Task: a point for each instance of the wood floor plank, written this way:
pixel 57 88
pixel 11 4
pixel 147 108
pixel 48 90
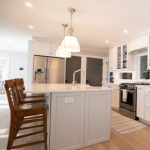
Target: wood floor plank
pixel 138 140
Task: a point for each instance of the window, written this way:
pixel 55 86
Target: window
pixel 144 73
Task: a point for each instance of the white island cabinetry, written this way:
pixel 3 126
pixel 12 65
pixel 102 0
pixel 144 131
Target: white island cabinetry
pixel 79 115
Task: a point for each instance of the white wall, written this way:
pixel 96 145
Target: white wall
pixel 16 60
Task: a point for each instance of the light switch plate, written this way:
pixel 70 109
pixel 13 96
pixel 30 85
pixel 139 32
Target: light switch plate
pixel 69 99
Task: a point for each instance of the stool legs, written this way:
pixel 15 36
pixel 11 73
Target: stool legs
pixel 12 133
pixel 45 128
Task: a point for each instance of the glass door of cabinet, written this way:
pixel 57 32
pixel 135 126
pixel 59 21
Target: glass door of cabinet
pixel 119 57
pixel 124 63
pixel 148 62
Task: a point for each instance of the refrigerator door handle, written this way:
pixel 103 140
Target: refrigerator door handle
pixel 47 76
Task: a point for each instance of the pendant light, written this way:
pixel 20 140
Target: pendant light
pixel 70 42
pixel 61 51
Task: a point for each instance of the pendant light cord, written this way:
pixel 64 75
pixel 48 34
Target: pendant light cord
pixel 71 30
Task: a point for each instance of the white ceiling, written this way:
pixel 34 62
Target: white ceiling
pixel 95 20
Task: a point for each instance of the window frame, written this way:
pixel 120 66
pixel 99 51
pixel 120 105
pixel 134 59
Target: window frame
pixel 138 66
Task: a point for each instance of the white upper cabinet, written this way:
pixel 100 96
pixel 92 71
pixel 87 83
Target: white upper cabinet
pixel 44 48
pixel 112 59
pixel 119 59
pixel 138 43
pixel 122 57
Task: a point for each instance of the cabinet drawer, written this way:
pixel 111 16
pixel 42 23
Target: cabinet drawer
pixel 147 114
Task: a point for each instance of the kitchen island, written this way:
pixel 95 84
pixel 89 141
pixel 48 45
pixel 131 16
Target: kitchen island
pixel 79 115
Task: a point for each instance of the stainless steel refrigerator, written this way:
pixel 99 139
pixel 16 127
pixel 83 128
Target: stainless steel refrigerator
pixel 48 69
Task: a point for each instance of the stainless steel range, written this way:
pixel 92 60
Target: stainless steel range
pixel 128 99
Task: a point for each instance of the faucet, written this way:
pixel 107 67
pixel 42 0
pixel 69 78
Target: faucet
pixel 74 74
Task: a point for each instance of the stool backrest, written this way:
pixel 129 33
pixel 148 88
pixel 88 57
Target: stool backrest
pixel 19 84
pixel 11 94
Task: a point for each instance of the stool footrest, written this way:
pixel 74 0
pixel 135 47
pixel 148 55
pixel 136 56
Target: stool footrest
pixel 23 128
pixel 28 144
pixel 21 136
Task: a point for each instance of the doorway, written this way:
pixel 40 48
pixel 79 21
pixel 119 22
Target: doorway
pixel 73 64
pixel 94 71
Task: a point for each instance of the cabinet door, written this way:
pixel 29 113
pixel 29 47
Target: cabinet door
pixel 115 98
pixel 97 117
pixel 147 104
pixel 140 102
pixel 147 114
pixel 45 48
pixel 119 58
pixel 124 55
pixel 138 43
pixel 112 59
pixel 67 121
pixel 41 48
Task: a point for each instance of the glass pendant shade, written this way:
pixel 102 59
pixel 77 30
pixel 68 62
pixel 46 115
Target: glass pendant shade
pixel 62 52
pixel 70 43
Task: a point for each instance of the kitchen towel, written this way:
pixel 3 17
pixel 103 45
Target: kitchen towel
pixel 124 95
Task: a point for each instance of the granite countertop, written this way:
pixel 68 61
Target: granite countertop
pixel 55 88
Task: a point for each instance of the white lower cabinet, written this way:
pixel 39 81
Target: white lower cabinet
pixel 115 99
pixel 79 119
pixel 140 102
pixel 143 103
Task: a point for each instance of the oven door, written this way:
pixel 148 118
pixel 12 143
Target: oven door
pixel 130 103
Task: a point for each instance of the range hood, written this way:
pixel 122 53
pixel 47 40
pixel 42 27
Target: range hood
pixel 138 51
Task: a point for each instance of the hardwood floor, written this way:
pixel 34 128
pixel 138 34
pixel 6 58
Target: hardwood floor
pixel 138 140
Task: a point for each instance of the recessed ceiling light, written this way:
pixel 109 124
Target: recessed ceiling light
pixel 30 26
pixel 106 41
pixel 28 4
pixel 125 31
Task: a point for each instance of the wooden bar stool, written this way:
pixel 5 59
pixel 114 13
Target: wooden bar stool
pixel 24 98
pixel 22 114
